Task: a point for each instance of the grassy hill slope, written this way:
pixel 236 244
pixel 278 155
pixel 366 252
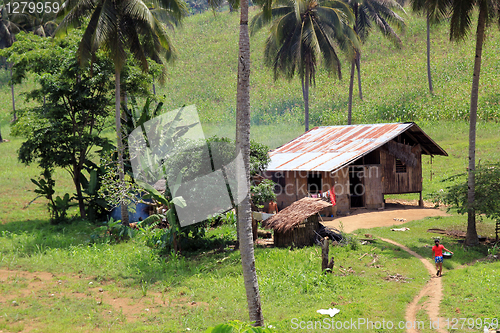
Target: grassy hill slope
pixel 394 80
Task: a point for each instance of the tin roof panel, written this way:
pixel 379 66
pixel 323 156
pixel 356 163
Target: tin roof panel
pixel 329 148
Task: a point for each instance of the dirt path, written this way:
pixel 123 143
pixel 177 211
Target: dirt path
pixel 433 289
pixel 364 218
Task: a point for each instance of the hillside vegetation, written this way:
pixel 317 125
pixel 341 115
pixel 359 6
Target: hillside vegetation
pixel 394 80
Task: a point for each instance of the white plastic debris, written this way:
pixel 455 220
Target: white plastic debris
pixel 330 312
pixel 400 229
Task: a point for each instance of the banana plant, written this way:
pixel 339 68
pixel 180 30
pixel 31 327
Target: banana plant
pixel 170 215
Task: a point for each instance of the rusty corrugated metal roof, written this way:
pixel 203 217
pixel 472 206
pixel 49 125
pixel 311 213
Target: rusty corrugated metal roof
pixel 329 148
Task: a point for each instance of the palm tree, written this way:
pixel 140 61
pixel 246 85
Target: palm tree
pixel 434 11
pixel 244 209
pixel 368 13
pixel 243 146
pixel 460 24
pixel 117 26
pixel 302 32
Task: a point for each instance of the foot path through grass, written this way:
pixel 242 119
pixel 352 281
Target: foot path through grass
pixel 433 289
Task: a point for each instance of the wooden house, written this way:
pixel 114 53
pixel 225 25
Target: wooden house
pixel 360 163
pixel 296 224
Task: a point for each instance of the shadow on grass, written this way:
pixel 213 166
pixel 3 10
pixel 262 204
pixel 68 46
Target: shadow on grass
pixel 33 236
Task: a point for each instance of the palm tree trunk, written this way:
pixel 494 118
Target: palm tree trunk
pixel 13 96
pixel 305 94
pixel 358 67
pixel 243 146
pixel 471 236
pixel 356 62
pixel 351 88
pixel 119 143
pixel 429 77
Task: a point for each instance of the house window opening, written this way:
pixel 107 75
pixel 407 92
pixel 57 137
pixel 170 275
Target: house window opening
pixel 400 166
pixel 314 183
pixel 280 182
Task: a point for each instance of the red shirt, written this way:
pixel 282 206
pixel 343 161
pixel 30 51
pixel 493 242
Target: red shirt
pixel 438 250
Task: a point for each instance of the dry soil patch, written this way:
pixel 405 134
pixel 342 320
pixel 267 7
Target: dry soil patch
pixel 364 218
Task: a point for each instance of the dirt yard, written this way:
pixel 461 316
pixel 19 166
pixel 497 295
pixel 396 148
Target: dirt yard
pixel 403 211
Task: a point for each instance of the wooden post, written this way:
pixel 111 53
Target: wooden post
pixel 255 228
pixel 324 253
pixel 325 247
pixel 421 201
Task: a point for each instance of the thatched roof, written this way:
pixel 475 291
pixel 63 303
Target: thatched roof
pixel 293 215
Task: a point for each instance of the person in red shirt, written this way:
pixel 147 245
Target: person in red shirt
pixel 438 256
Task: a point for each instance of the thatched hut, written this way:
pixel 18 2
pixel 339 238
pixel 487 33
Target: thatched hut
pixel 295 225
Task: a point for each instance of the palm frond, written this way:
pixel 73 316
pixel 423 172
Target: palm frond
pixel 435 10
pixel 266 6
pixel 72 12
pixel 129 27
pixel 137 10
pixel 380 15
pixel 461 20
pixel 85 49
pixel 166 17
pixel 260 20
pixel 342 7
pixel 363 23
pixel 331 60
pixel 177 8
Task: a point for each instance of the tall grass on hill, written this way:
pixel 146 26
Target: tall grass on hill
pixel 394 79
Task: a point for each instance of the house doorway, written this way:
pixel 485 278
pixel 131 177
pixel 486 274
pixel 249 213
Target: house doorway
pixel 356 186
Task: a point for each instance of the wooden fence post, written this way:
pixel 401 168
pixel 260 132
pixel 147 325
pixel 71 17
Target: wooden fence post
pixel 326 266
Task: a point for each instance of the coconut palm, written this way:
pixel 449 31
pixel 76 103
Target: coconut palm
pixel 369 13
pixel 303 32
pixel 117 26
pixel 460 25
pixel 244 209
pixel 434 11
pixel 243 146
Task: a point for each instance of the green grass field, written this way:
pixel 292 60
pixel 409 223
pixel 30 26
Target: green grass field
pixel 157 293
